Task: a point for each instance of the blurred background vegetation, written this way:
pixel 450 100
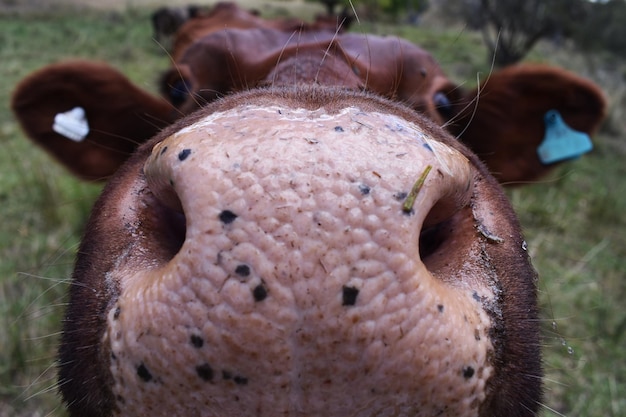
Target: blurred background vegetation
pixel 574 220
pixel 512 27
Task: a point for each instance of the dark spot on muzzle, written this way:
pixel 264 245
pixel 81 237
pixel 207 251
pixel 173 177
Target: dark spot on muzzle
pixel 240 380
pixel 184 154
pixel 205 372
pixel 259 292
pixel 400 196
pixel 468 372
pixel 242 270
pixel 196 341
pixel 349 296
pixel 227 216
pixel 143 373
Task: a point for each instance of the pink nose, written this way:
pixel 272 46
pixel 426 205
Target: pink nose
pixel 312 254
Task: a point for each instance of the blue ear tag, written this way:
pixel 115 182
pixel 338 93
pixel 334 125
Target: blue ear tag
pixel 561 142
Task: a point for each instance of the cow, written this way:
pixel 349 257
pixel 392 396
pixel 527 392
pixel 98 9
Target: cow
pixel 180 26
pixel 297 228
pixel 230 15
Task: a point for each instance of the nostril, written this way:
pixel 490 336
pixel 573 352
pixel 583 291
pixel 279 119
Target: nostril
pixel 446 231
pixel 166 229
pixel 158 177
pixel 443 246
pixel 171 229
pixel 431 238
pixel 165 224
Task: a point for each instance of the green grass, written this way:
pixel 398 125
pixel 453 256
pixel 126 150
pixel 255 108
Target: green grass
pixel 44 208
pixel 574 220
pixel 575 228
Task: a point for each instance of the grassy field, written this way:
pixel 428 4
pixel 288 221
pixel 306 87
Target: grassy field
pixel 574 220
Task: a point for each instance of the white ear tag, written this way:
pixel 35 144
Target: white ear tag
pixel 72 124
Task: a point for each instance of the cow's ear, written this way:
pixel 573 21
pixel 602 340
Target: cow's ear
pixel 505 120
pixel 87 115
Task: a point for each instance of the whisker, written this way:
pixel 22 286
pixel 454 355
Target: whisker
pixel 161 46
pixel 50 369
pixel 326 52
pixel 200 98
pixel 356 15
pixel 280 55
pixel 48 336
pixel 46 390
pixel 369 49
pixel 21 316
pixel 156 122
pixel 400 73
pixel 185 85
pixel 111 135
pixel 330 44
pixel 550 409
pixel 554 381
pixel 237 75
pixel 53 259
pixel 172 105
pixel 46 311
pixel 53 411
pixel 479 90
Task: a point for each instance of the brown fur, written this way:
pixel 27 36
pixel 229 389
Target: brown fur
pixel 388 66
pixel 227 15
pixel 502 120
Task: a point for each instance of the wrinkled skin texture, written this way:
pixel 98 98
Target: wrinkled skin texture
pixel 272 254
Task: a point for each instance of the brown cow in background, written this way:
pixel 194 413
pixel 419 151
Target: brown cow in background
pixel 502 120
pixel 226 15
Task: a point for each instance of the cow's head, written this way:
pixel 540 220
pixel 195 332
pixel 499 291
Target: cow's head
pixel 300 246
